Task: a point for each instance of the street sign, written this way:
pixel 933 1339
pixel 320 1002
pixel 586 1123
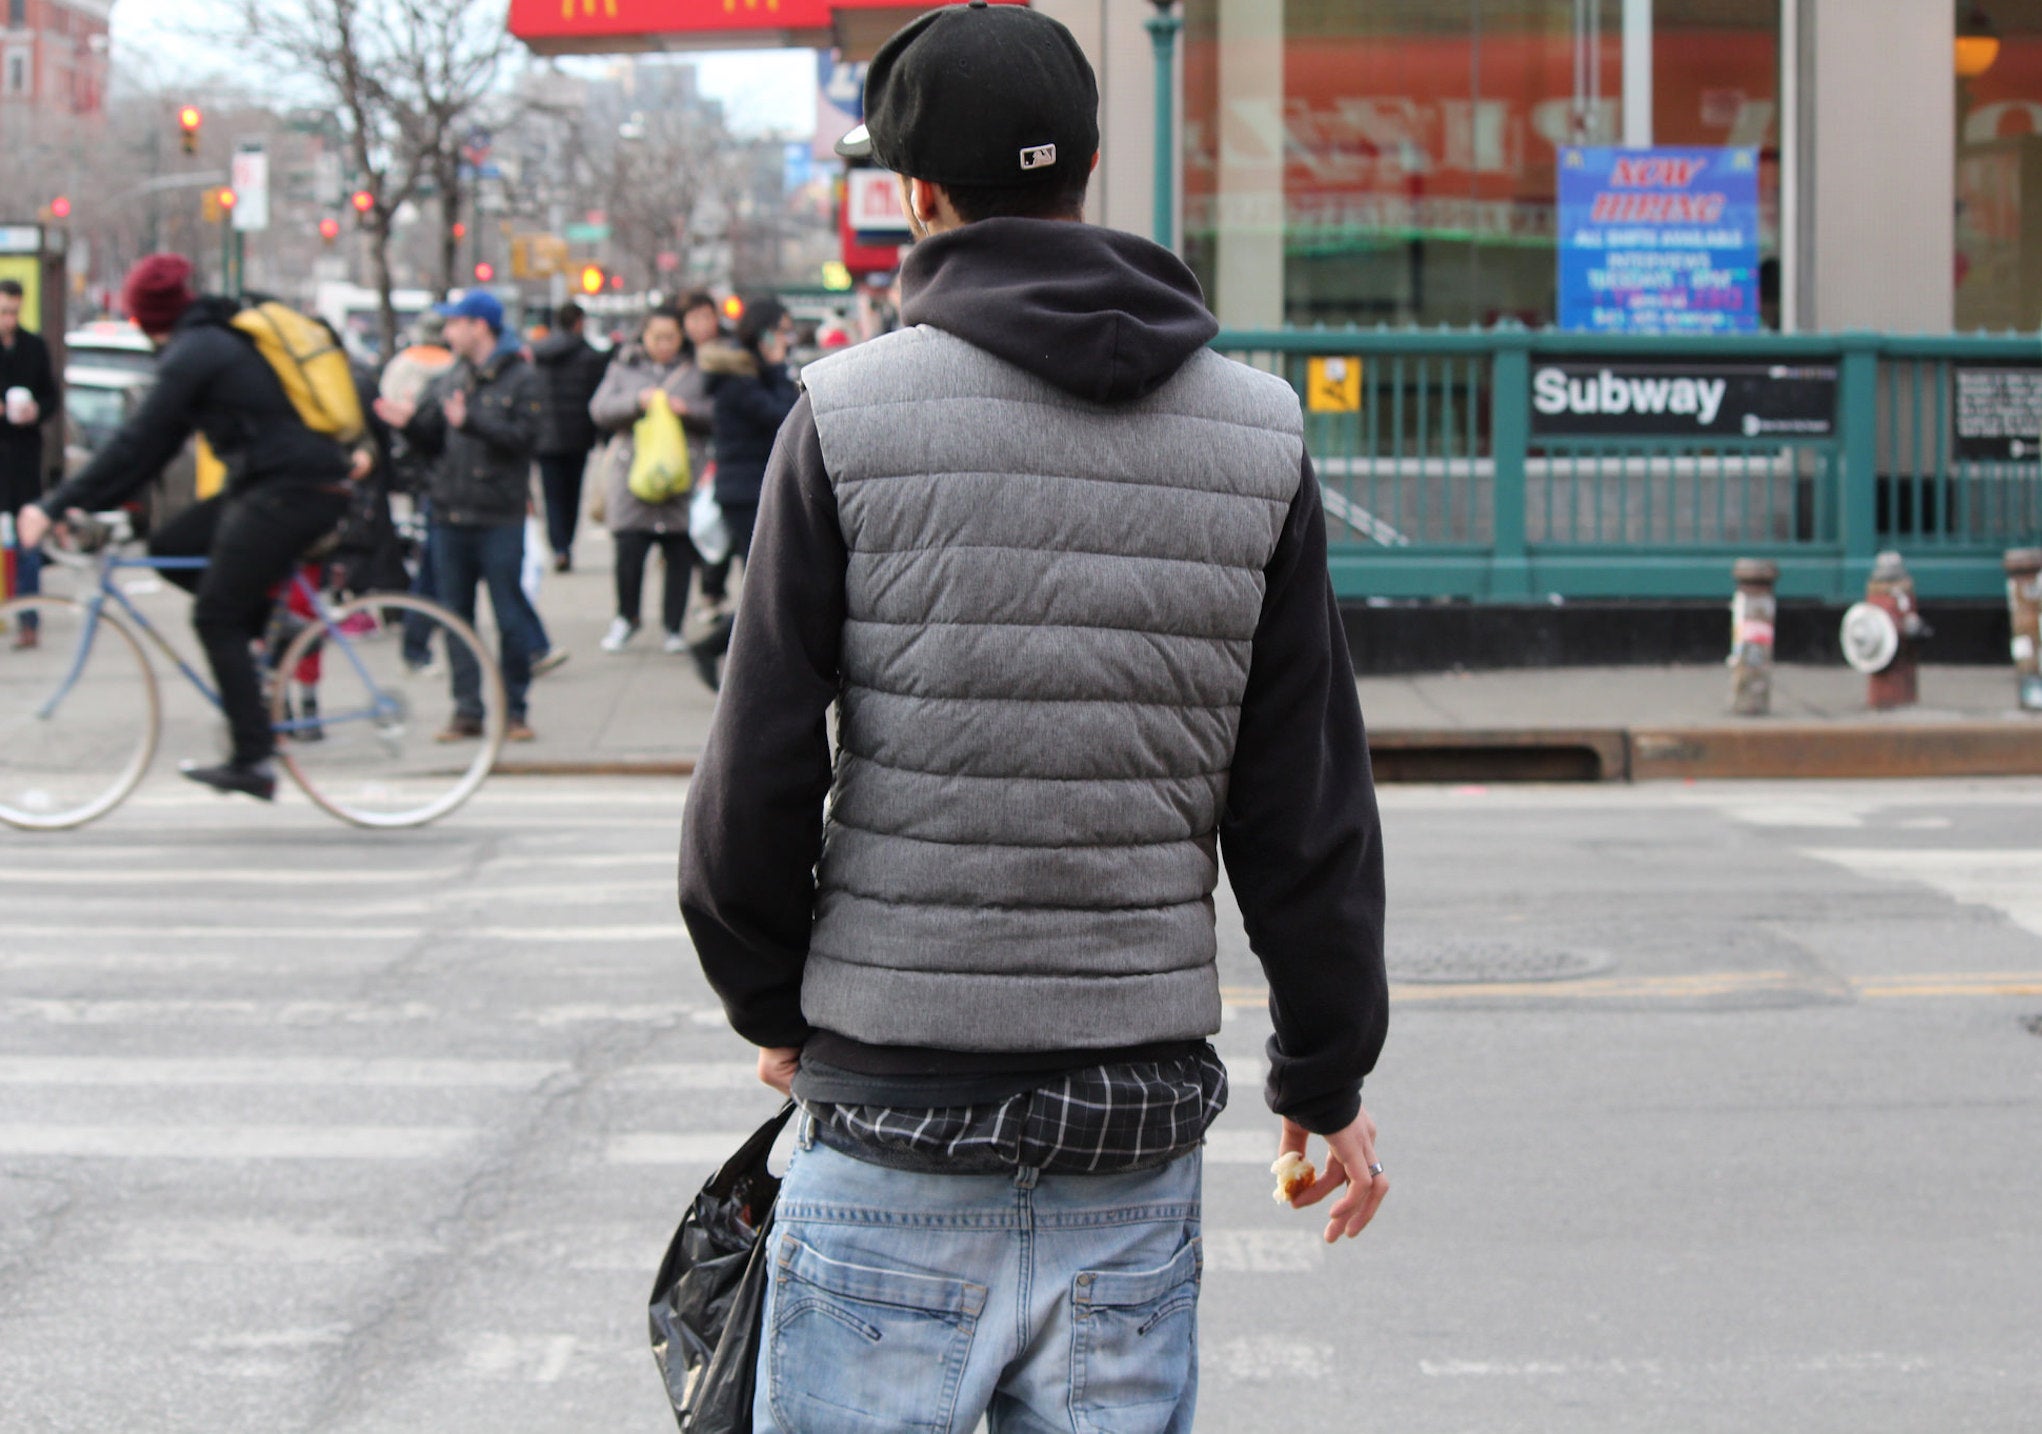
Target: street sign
pixel 586 233
pixel 1998 412
pixel 1658 241
pixel 1680 398
pixel 250 183
pixel 1333 384
pixel 872 205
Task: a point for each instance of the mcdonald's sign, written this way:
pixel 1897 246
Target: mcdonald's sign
pixel 565 26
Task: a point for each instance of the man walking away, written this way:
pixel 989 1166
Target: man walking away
pixel 570 371
pixel 30 389
pixel 476 424
pixel 1062 569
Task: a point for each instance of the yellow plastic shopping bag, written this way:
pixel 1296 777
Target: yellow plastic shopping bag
pixel 659 454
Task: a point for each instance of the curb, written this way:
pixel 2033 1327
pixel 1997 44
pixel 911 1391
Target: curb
pixel 1832 750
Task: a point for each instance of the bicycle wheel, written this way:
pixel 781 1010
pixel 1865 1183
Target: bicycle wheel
pixel 359 703
pixel 78 713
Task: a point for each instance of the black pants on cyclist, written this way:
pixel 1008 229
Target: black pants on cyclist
pixel 252 541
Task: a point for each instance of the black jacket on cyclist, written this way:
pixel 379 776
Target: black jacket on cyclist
pixel 209 379
pixel 481 472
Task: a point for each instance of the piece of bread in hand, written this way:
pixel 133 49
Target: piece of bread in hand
pixel 1294 1175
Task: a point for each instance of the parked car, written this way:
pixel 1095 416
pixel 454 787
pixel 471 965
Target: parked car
pixel 98 399
pixel 110 344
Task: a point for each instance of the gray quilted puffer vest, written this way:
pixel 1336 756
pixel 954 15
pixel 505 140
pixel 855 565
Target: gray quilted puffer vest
pixel 1051 607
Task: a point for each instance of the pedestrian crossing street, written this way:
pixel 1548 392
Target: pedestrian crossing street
pixel 393 1127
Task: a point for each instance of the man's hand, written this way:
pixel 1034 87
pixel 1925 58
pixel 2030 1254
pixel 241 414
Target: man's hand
pixel 645 398
pixel 1351 1152
pixel 31 526
pixel 455 407
pixel 361 464
pixel 395 411
pixel 777 1065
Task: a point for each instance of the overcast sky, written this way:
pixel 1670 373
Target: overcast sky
pixel 761 89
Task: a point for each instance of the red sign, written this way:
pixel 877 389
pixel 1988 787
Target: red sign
pixel 584 24
pixel 621 19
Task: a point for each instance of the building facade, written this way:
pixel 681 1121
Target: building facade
pixel 1394 161
pixel 53 59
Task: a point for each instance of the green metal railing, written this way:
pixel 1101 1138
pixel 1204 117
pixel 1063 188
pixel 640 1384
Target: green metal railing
pixel 1437 486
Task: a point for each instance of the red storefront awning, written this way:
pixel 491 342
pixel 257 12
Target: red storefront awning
pixel 582 27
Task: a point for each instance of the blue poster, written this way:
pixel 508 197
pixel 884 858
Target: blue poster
pixel 1659 241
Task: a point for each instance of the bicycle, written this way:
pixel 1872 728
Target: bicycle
pixel 81 713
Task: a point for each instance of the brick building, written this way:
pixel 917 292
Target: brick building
pixel 53 57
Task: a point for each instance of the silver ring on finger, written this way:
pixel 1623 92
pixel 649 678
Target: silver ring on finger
pixel 1374 1170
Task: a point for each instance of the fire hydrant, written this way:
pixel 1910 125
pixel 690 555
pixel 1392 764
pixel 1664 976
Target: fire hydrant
pixel 1752 612
pixel 1880 633
pixel 2024 607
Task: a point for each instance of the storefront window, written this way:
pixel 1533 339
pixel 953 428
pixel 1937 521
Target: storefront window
pixel 1998 58
pixel 1394 161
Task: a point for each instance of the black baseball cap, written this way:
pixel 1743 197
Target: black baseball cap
pixel 979 94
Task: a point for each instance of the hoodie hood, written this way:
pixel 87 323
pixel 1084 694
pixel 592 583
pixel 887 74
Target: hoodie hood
pixel 1104 315
pixel 557 348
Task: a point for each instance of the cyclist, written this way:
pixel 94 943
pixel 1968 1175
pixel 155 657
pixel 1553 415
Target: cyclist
pixel 286 488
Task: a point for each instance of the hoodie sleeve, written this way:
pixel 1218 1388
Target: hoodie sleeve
pixel 1302 838
pixel 753 830
pixel 152 437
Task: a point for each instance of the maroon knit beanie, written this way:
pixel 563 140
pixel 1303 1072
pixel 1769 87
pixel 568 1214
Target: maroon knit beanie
pixel 157 292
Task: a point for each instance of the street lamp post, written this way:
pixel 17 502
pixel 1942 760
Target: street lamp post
pixel 1163 27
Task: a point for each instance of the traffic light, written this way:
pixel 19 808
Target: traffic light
pixel 329 229
pixel 363 201
pixel 592 278
pixel 616 281
pixel 460 230
pixel 733 308
pixel 188 121
pixel 484 272
pixel 216 204
pixel 60 208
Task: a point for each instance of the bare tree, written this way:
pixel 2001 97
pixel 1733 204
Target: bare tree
pixel 665 160
pixel 404 78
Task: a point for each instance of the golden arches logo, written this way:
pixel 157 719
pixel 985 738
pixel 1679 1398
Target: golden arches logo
pixel 588 7
pixel 730 6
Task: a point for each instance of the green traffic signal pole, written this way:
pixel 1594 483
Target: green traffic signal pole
pixel 1163 27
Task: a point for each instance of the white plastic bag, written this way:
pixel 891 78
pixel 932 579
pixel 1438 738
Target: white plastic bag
pixel 535 560
pixel 706 528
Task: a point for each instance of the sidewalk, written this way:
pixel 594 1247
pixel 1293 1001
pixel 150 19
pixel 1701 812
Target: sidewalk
pixel 644 711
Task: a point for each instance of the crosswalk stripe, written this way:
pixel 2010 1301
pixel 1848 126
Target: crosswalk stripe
pixel 189 1011
pixel 266 1072
pixel 238 1142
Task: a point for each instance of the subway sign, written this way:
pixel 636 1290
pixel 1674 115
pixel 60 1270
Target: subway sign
pixel 1671 398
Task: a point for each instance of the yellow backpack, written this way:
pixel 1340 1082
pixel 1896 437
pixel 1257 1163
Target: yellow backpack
pixel 312 366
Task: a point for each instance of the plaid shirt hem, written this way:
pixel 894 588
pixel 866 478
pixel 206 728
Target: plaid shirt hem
pixel 1103 1120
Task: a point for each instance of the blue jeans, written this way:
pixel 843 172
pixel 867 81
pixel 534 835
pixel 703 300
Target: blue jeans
pixel 464 554
pixel 902 1301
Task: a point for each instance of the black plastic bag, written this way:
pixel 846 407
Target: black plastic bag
pixel 707 1299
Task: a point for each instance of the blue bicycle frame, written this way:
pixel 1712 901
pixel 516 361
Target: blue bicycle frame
pixel 381 705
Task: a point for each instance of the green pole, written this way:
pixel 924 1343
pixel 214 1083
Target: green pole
pixel 1163 27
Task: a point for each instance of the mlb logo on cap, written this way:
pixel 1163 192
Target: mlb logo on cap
pixel 1041 156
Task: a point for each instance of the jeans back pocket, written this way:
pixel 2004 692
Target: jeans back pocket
pixel 1133 1339
pixel 855 1347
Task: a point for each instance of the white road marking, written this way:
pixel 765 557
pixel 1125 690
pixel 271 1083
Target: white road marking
pixel 1266 1359
pixel 238 1142
pixel 236 1012
pixel 286 1071
pixel 663 1148
pixel 2006 880
pixel 1264 1252
pixel 541 1359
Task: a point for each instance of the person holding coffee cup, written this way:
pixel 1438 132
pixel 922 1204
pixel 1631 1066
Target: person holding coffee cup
pixel 30 386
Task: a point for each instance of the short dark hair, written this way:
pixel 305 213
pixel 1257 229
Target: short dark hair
pixel 698 299
pixel 761 317
pixel 1065 200
pixel 11 288
pixel 568 315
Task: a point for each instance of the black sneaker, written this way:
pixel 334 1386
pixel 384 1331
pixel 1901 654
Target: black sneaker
pixel 707 667
pixel 256 779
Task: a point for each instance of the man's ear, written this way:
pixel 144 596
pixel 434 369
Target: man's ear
pixel 1094 167
pixel 923 205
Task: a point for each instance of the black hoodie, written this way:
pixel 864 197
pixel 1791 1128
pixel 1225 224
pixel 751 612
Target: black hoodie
pixel 1105 316
pixel 211 379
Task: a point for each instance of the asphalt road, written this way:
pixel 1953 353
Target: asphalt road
pixel 1707 1108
